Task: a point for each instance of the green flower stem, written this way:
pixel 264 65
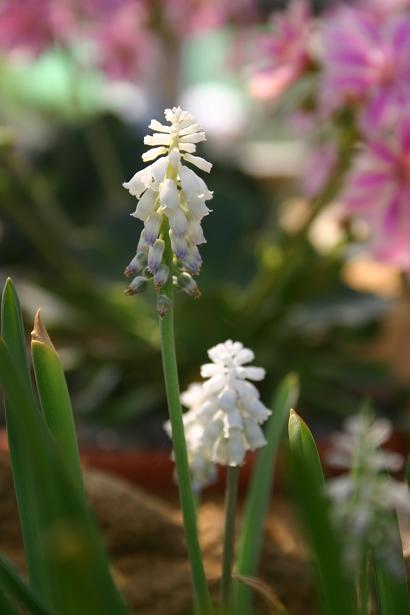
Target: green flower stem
pixel 187 500
pixel 231 496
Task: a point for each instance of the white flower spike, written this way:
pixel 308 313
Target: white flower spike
pixel 361 496
pixel 171 198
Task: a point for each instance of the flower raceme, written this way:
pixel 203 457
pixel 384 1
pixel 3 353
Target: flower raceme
pixel 225 413
pixel 171 204
pixel 361 497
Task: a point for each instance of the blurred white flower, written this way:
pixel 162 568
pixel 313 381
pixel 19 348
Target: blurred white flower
pixel 171 196
pixel 225 412
pixel 362 497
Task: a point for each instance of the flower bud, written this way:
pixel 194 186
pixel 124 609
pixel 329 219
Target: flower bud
pixel 179 246
pixel 152 228
pixel 188 285
pixel 161 276
pixel 137 285
pixel 155 254
pixel 164 304
pixel 136 265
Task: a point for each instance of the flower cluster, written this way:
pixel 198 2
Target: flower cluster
pixel 364 496
pixel 353 74
pixel 171 203
pixel 286 52
pixel 225 411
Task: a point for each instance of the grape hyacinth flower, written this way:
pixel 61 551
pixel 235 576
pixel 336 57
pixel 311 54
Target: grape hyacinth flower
pixel 227 410
pixel 367 61
pixel 203 470
pixel 378 191
pixel 286 52
pixel 171 203
pixel 361 497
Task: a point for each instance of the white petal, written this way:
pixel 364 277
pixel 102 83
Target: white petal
pixel 215 384
pixel 153 153
pixel 192 128
pixel 210 369
pixel 253 373
pixel 244 356
pixel 158 169
pixel 254 435
pixel 195 137
pixel 227 399
pixel 199 162
pixel 177 221
pixel 146 205
pixel 157 139
pixel 155 125
pixel 236 448
pixel 168 194
pixel 187 147
pixel 232 420
pixel 138 183
pixel 195 232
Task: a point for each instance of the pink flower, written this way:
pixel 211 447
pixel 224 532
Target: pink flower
pixel 123 41
pixel 367 61
pixel 319 168
pixel 286 52
pixel 378 191
pixel 33 25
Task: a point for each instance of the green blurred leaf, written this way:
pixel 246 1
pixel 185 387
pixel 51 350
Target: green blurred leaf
pixel 251 537
pixel 392 589
pixel 14 585
pixel 54 398
pixel 308 486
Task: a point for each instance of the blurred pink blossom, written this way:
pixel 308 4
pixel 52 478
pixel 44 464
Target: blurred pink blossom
pixel 320 166
pixel 378 191
pixel 367 61
pixel 123 41
pixel 286 52
pixel 32 25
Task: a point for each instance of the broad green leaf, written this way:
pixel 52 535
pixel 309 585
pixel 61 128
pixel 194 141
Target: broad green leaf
pixel 12 331
pixel 75 567
pixel 308 486
pixel 260 490
pixel 13 584
pixel 54 398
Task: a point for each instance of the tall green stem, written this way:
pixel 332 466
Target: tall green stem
pixel 169 362
pixel 231 496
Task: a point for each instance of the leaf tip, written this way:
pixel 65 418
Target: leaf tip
pixel 39 332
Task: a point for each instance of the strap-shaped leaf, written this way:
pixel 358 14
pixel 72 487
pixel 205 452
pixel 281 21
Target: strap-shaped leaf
pixel 251 537
pixel 308 486
pixel 70 570
pixel 54 398
pixel 12 331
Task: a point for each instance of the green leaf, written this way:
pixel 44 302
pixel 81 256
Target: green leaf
pixel 75 570
pixel 54 398
pixel 13 584
pixel 251 537
pixel 391 589
pixel 13 333
pixel 308 486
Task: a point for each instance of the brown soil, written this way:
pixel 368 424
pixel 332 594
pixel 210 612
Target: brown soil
pixel 145 541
